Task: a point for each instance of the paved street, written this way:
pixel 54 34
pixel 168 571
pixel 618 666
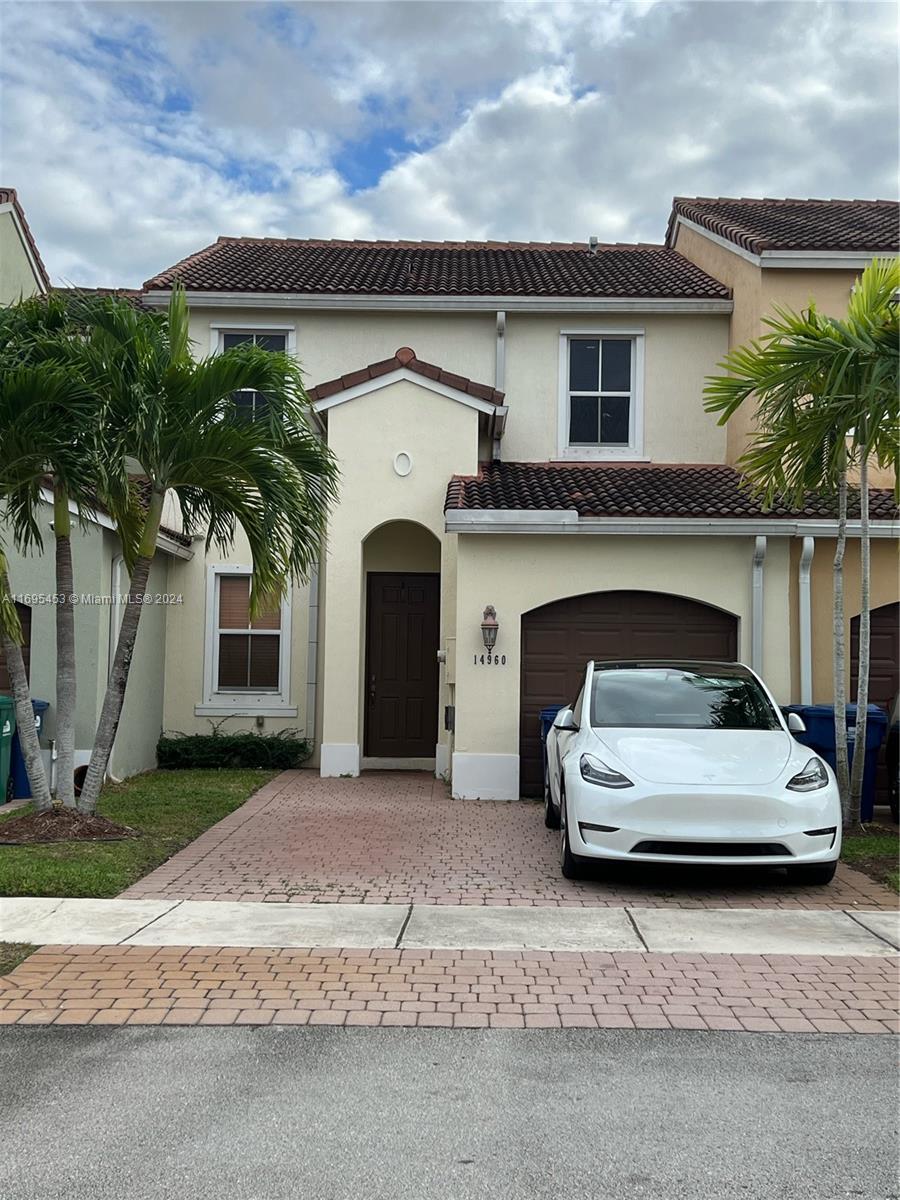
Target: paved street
pixel 159 1114
pixel 398 838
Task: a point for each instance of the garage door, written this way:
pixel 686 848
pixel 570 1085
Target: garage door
pixel 558 640
pixel 884 670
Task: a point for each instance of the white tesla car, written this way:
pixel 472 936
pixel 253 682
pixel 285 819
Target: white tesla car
pixel 688 762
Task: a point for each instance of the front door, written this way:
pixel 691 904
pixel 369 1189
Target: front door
pixel 402 627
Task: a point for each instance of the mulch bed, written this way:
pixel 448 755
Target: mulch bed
pixel 62 825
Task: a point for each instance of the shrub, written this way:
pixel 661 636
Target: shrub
pixel 277 751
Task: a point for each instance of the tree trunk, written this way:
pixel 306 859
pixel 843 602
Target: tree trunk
pixel 65 650
pixel 840 667
pixel 862 683
pixel 111 712
pixel 28 738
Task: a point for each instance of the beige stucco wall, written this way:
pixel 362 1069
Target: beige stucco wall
pixel 17 278
pixel 885 589
pixel 366 434
pixel 517 573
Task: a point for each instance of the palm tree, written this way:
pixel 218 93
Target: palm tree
pixel 175 421
pixel 826 397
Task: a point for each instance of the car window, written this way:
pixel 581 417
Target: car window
pixel 679 698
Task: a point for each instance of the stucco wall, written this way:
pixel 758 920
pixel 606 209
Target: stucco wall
pixel 518 573
pixel 441 435
pixel 16 276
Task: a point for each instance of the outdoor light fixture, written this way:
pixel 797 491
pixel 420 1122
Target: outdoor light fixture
pixel 489 627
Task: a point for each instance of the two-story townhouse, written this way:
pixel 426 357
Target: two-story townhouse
pixel 528 479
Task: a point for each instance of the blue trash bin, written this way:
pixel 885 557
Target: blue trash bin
pixel 21 786
pixel 819 736
pixel 547 716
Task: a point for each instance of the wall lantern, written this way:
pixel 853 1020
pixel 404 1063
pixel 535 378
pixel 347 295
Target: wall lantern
pixel 490 627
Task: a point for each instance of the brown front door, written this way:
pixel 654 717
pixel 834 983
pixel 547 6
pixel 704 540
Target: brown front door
pixel 401 665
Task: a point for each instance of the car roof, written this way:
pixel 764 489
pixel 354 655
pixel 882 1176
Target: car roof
pixel 680 664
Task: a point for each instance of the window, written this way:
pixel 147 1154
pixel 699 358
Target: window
pixel 253 404
pixel 599 403
pixel 249 648
pixel 247 659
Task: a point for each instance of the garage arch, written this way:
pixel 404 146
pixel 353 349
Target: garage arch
pixel 559 638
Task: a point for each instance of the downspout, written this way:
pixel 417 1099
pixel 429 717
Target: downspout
pixel 756 609
pixel 500 372
pixel 806 557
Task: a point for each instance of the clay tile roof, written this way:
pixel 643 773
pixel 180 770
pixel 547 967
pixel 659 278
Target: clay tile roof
pixel 553 269
pixel 405 358
pixel 759 225
pixel 633 490
pixel 9 196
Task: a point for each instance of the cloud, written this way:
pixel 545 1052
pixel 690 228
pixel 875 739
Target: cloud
pixel 138 132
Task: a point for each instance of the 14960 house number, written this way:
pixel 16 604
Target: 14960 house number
pixel 489 660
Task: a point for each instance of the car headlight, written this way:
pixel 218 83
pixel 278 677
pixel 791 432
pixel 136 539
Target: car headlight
pixel 811 778
pixel 594 770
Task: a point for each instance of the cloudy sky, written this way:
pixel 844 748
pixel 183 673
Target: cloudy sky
pixel 138 132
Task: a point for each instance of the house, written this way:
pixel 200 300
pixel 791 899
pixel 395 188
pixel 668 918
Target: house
pixel 528 479
pixel 99 578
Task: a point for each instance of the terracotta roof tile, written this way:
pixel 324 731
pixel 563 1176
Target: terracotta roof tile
pixel 759 225
pixel 440 269
pixel 405 359
pixel 9 196
pixel 633 490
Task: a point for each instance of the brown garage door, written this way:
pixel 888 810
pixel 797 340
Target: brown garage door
pixel 884 670
pixel 558 640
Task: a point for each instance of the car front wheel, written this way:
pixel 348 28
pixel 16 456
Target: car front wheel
pixel 570 864
pixel 812 874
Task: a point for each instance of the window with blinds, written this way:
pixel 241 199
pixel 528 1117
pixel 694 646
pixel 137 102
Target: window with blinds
pixel 249 649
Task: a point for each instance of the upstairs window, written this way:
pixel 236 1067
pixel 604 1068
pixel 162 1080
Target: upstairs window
pixel 253 404
pixel 600 404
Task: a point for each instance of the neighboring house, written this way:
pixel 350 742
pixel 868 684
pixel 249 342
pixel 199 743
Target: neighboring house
pixel 22 273
pixel 785 253
pixel 99 573
pixel 519 427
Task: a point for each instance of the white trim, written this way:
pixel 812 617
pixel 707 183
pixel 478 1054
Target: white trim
pixel 36 271
pixel 263 703
pixel 159 297
pixel 814 260
pixel 485 776
pixel 805 596
pixel 403 374
pixel 339 758
pixel 757 604
pixel 581 453
pixel 530 521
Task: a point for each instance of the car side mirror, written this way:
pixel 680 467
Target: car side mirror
pixel 795 723
pixel 566 720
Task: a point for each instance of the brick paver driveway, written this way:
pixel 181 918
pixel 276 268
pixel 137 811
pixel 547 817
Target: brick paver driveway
pixel 400 838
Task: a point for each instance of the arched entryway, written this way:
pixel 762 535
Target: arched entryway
pixel 559 638
pixel 884 670
pixel 401 569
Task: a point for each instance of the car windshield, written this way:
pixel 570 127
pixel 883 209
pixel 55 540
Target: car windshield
pixel 679 698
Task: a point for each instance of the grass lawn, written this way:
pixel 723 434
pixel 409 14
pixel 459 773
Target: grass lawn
pixel 169 808
pixel 13 953
pixel 875 854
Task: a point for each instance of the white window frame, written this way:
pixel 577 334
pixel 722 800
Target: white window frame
pixel 217 331
pixel 218 703
pixel 581 453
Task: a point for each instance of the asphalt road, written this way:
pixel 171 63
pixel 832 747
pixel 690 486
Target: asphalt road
pixel 325 1114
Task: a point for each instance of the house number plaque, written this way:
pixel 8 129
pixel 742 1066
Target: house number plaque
pixel 489 660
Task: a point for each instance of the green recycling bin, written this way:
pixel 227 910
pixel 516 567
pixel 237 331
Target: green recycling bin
pixel 7 729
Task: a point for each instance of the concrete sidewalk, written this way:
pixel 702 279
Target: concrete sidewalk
pixel 383 926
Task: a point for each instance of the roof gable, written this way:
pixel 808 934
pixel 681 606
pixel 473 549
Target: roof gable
pixel 9 197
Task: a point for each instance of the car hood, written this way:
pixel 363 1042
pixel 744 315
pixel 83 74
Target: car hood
pixel 706 757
